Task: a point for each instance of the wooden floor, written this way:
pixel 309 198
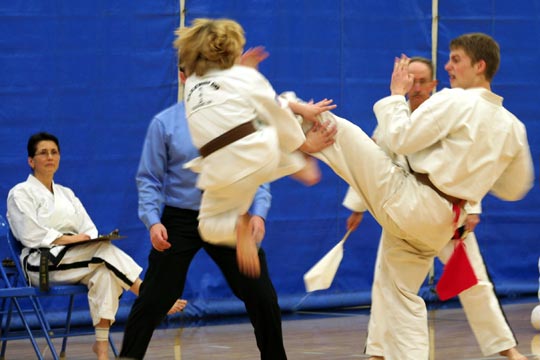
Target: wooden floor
pixel 308 335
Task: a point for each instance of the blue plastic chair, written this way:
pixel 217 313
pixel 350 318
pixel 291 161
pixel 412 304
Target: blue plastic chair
pixel 10 297
pixel 18 278
pixel 13 295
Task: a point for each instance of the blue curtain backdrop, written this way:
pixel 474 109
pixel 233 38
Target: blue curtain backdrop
pixel 95 73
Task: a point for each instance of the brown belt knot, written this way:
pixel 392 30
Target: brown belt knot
pixel 228 137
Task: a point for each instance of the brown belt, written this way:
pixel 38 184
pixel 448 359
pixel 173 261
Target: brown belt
pixel 227 138
pixel 424 179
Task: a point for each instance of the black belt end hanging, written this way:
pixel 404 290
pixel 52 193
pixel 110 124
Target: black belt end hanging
pixel 44 269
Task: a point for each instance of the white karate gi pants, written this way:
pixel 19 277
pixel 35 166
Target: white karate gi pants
pixel 480 303
pixel 418 223
pixel 104 284
pixel 221 207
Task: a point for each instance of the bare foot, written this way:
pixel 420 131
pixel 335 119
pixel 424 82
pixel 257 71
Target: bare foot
pixel 178 306
pixel 513 354
pixel 376 358
pixel 101 349
pixel 310 174
pixel 247 253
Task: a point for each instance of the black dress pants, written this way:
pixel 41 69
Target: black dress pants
pixel 165 278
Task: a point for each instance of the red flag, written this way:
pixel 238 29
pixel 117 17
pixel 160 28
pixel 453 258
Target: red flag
pixel 458 274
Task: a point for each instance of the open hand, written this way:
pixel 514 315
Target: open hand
pixel 253 56
pixel 402 81
pixel 320 136
pixel 311 110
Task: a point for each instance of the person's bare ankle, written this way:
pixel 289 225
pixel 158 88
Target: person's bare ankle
pixel 513 354
pixel 101 349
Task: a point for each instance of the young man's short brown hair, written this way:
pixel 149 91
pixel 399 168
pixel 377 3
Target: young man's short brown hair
pixel 480 46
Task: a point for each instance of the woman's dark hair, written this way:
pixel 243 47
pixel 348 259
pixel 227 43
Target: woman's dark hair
pixel 36 138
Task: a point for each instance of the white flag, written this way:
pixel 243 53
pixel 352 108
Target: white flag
pixel 321 275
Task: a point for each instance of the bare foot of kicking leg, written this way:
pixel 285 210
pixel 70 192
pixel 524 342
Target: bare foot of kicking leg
pixel 247 253
pixel 310 174
pixel 178 306
pixel 513 354
pixel 101 349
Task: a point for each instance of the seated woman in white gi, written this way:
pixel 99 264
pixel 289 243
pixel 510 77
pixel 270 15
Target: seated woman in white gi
pixel 43 214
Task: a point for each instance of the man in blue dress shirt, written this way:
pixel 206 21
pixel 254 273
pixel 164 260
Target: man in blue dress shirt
pixel 168 206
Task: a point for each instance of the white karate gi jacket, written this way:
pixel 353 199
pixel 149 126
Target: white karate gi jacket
pixel 223 99
pixel 466 141
pixel 219 101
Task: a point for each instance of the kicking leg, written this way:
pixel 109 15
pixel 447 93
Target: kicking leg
pixel 388 189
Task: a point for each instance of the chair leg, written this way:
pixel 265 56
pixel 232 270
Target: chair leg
pixel 113 348
pixel 45 326
pixel 6 329
pixel 68 326
pixel 30 334
pixel 48 333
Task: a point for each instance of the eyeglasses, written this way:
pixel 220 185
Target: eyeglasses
pixel 47 153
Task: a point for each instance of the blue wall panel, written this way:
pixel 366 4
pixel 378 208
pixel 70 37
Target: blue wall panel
pixel 96 72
